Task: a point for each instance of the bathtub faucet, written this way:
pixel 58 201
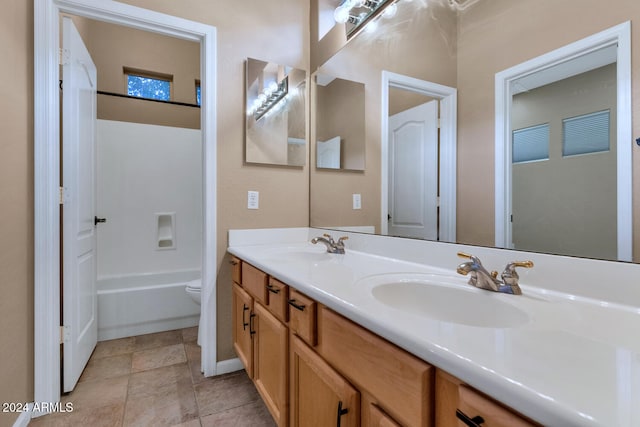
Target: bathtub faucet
pixel 333 247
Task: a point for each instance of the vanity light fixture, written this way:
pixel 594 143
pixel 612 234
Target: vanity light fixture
pixel 269 98
pixel 357 13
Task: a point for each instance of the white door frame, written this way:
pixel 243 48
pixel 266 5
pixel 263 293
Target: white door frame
pixel 448 118
pixel 47 168
pixel 620 35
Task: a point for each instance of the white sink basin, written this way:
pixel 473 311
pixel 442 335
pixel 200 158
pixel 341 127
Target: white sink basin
pixel 447 299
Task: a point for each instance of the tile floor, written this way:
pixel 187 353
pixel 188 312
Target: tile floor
pixel 154 380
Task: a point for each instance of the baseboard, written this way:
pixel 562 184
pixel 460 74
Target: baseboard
pixel 229 365
pixel 25 417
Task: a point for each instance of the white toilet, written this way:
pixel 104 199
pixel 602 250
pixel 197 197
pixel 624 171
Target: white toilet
pixel 194 289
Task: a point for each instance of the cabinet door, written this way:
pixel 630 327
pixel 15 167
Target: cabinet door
pixel 242 327
pixel 320 397
pixel 270 357
pixel 377 418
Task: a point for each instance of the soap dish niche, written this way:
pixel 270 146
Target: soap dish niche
pixel 165 231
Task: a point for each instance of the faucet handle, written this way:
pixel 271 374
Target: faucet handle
pixel 524 264
pixel 342 239
pixel 329 238
pixel 465 255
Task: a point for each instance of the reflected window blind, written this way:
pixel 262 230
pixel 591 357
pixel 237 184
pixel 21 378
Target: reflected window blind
pixel 531 144
pixel 586 134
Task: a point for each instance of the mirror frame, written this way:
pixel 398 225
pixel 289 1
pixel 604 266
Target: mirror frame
pixel 620 35
pixel 447 157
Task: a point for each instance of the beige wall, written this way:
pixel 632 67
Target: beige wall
pixel 16 194
pixel 493 36
pixel 567 205
pixel 340 112
pixel 114 47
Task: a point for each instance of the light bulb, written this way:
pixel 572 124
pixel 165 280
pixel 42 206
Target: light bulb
pixel 371 26
pixel 273 86
pixel 390 11
pixel 341 14
pixel 262 98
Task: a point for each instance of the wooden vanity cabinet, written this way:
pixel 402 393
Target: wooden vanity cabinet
pixel 242 337
pixel 375 417
pixel 270 362
pixel 314 367
pixel 320 396
pixel 399 383
pixel 302 316
pixel 456 400
pixel 261 339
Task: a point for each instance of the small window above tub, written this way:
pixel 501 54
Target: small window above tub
pixel 586 134
pixel 148 84
pixel 531 144
pixel 198 93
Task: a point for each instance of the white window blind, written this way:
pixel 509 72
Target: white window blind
pixel 586 134
pixel 531 144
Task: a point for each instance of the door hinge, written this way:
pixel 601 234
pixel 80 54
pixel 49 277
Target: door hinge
pixel 64 195
pixel 65 334
pixel 63 56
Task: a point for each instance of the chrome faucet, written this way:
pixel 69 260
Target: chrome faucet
pixel 481 278
pixel 333 247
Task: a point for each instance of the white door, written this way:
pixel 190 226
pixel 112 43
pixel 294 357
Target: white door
pixel 78 179
pixel 329 153
pixel 413 172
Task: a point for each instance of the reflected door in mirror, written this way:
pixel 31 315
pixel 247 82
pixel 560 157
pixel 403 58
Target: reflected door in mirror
pixel 413 172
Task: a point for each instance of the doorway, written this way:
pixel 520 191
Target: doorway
pixel 576 58
pixel 47 163
pixel 446 157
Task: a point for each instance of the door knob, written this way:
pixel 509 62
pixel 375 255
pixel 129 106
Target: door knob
pixel 96 220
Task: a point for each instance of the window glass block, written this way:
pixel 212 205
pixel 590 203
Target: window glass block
pixel 586 134
pixel 531 144
pixel 146 87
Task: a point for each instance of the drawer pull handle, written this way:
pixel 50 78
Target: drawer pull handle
pixel 273 289
pixel 251 330
pixel 293 303
pixel 341 412
pixel 471 422
pixel 233 262
pixel 244 320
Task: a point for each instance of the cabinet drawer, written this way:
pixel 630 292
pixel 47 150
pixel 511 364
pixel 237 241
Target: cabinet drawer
pixel 400 383
pixel 473 404
pixel 236 270
pixel 302 316
pixel 254 281
pixel 277 298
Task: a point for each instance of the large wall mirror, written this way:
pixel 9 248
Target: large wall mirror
pixel 338 118
pixel 464 45
pixel 275 119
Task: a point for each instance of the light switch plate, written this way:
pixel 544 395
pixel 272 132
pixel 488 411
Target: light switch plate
pixel 357 201
pixel 253 199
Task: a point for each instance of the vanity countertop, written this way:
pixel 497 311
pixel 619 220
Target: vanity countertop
pixel 569 360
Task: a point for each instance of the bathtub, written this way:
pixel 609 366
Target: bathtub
pixel 145 303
